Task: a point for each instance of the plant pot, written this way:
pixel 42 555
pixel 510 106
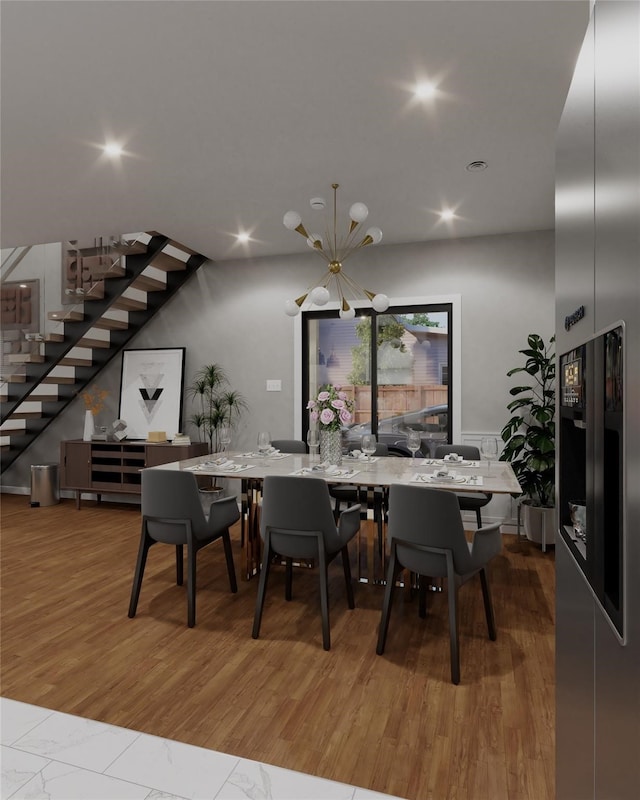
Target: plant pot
pixel 539 523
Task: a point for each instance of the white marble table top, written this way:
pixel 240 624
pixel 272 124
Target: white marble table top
pixel 496 477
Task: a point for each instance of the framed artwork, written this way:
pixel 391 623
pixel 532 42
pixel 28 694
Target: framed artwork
pixel 151 387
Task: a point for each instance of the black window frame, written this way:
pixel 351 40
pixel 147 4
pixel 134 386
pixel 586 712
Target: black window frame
pixel 424 308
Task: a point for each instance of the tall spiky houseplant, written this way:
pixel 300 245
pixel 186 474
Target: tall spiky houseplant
pixel 530 434
pixel 217 405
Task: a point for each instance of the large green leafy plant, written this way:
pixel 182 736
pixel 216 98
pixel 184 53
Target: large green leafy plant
pixel 530 434
pixel 217 405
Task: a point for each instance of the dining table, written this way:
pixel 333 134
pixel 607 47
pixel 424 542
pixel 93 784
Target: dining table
pixel 370 474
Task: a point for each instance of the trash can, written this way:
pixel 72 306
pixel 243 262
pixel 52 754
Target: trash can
pixel 45 490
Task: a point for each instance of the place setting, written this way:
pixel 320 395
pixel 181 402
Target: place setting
pixel 327 470
pixel 265 449
pixel 222 464
pixel 444 476
pixel 451 458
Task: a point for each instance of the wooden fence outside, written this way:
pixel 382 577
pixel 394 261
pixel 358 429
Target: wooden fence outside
pixel 394 400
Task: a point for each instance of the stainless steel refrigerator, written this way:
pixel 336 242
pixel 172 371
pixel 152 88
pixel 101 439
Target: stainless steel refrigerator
pixel 598 476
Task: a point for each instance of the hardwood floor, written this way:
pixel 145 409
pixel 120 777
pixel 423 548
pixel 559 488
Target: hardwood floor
pixel 391 723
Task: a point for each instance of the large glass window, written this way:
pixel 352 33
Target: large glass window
pixel 395 365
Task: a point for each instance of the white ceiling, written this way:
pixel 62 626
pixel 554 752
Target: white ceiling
pixel 231 113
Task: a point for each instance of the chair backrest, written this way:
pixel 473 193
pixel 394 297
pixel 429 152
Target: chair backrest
pixel 468 451
pixel 429 517
pixel 294 504
pixel 169 494
pixel 289 445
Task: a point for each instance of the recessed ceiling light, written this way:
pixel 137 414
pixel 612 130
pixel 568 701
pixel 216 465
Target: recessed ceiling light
pixel 447 214
pixel 476 166
pixel 113 149
pixel 424 90
pixel 242 237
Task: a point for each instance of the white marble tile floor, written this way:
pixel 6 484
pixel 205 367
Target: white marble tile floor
pixel 54 756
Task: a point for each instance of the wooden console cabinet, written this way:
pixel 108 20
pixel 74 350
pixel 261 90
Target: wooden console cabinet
pixel 114 467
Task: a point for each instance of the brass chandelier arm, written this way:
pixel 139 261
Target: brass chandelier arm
pixel 335 248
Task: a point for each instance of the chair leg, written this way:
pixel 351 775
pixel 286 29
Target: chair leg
pixel 179 565
pixel 347 576
pixel 145 544
pixel 452 590
pixel 262 586
pixel 288 584
pixel 488 605
pixel 228 554
pixel 324 596
pixel 478 518
pixel 386 603
pixel 191 584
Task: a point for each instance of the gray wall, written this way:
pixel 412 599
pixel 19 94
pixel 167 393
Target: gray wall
pixel 232 313
pixel 598 266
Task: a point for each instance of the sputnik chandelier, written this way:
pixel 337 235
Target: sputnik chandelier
pixel 335 249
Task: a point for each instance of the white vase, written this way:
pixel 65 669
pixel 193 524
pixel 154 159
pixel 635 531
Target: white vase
pixel 331 446
pixel 89 426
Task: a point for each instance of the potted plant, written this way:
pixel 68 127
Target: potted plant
pixel 217 406
pixel 529 437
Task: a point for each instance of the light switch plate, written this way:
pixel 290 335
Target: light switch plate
pixel 274 386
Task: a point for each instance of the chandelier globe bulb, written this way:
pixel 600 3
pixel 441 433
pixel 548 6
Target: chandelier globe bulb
pixel 291 220
pixel 348 313
pixel 358 212
pixel 319 296
pixel 291 308
pixel 380 303
pixel 375 234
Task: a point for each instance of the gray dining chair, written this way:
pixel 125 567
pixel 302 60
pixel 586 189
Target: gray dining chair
pixel 425 535
pixel 172 514
pixel 289 445
pixel 297 523
pixel 467 501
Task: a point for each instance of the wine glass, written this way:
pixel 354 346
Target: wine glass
pixel 489 449
pixel 225 437
pixel 414 441
pixel 369 445
pixel 264 442
pixel 313 441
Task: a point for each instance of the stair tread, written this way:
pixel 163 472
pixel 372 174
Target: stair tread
pixel 167 263
pixel 147 284
pixel 25 358
pixel 66 316
pixel 129 304
pixel 58 379
pixel 88 342
pixel 74 361
pixel 110 324
pixel 114 271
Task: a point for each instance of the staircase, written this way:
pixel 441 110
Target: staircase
pixel 111 301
